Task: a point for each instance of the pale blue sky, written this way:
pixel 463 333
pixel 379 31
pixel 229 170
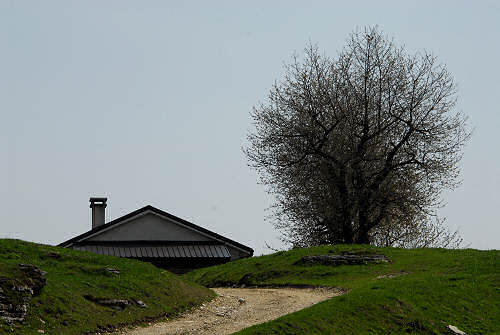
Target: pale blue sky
pixel 147 102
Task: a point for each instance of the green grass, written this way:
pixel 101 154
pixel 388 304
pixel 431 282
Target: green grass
pixel 457 287
pixel 61 308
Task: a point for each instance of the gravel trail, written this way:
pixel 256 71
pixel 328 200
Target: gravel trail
pixel 238 308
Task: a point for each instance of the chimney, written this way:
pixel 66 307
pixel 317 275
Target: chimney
pixel 98 206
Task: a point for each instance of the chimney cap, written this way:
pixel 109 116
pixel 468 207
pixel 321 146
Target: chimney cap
pixel 97 201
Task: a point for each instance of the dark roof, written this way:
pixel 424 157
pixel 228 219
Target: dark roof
pixel 145 250
pixel 162 213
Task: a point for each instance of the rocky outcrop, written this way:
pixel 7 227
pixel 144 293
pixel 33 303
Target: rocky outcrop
pixel 139 303
pixel 35 277
pixel 16 293
pixel 343 259
pixel 112 271
pixel 454 330
pixel 393 275
pixel 117 304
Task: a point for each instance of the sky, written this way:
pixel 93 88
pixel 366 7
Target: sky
pixel 148 102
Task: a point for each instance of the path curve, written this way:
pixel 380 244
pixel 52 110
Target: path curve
pixel 237 308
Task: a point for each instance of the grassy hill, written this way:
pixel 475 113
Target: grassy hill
pixel 76 281
pixel 420 291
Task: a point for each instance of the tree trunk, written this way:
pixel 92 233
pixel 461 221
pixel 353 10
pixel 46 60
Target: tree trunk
pixel 347 231
pixel 362 236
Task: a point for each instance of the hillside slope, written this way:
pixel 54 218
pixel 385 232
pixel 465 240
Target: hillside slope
pixel 79 283
pixel 420 291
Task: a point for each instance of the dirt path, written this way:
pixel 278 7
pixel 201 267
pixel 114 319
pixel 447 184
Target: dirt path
pixel 238 308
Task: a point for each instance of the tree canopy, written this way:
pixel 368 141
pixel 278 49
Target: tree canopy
pixel 358 146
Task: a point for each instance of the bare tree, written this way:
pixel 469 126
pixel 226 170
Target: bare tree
pixel 418 233
pixel 353 144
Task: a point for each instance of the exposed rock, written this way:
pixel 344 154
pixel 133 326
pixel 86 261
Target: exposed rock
pixel 141 303
pixel 16 293
pixel 241 301
pixel 113 302
pixel 393 275
pixel 113 271
pixel 23 288
pixel 36 277
pixel 455 330
pixel 343 259
pixel 118 304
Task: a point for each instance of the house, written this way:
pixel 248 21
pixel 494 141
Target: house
pixel 155 236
